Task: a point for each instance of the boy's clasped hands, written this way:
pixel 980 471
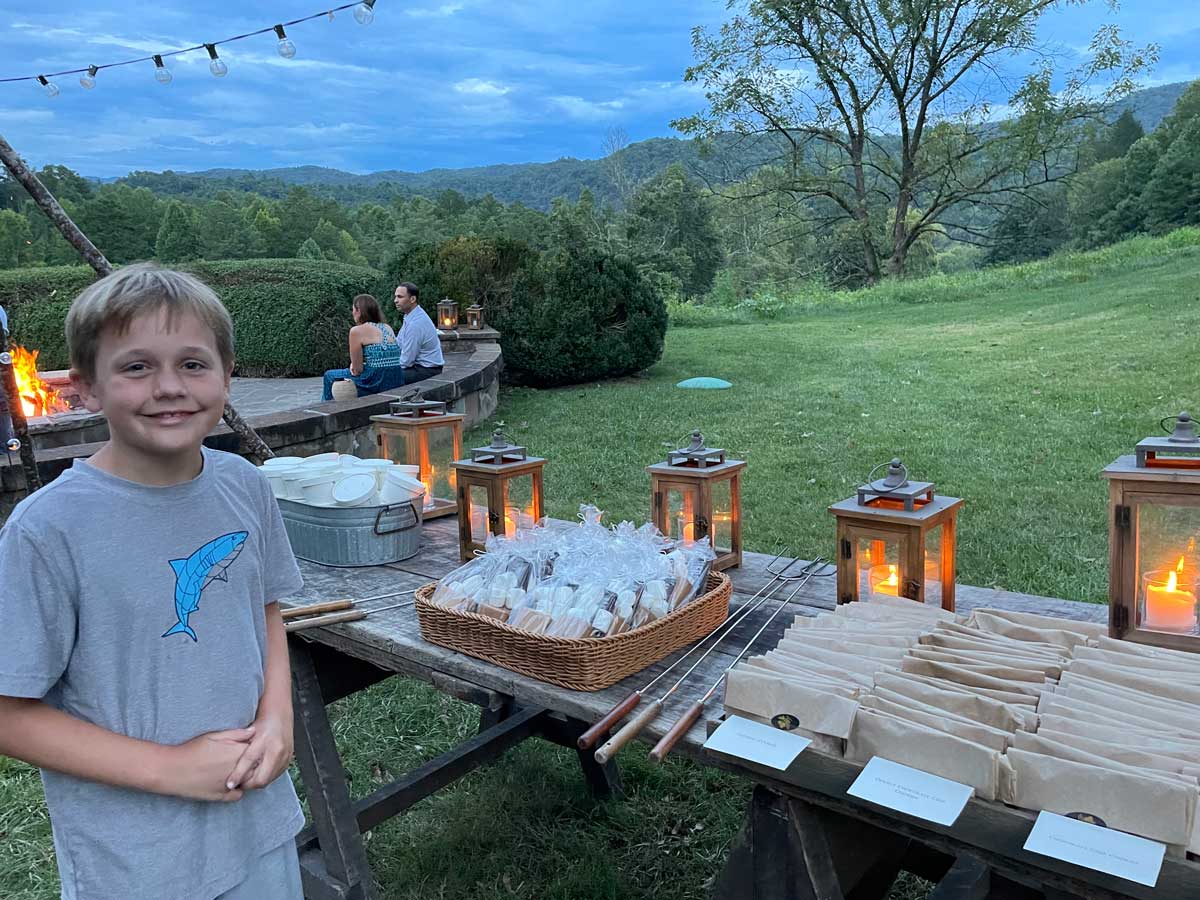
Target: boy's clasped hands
pixel 222 765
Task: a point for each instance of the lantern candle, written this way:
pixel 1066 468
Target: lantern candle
pixel 884 580
pixel 1168 608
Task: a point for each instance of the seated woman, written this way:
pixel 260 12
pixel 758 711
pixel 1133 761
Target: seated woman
pixel 374 353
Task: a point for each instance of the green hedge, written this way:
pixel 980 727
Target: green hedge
pixel 563 317
pixel 290 316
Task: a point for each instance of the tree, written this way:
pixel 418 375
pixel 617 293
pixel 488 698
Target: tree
pixel 1171 199
pixel 336 244
pixel 122 221
pixel 1121 135
pixel 671 230
pixel 310 249
pixel 177 240
pixel 1034 226
pixel 15 239
pixel 824 78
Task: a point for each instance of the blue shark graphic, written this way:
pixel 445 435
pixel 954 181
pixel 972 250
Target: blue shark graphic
pixel 198 571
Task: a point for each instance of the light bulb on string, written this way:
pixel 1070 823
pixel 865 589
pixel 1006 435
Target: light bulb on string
pixel 216 65
pixel 88 81
pixel 52 89
pixel 286 48
pixel 161 73
pixel 364 13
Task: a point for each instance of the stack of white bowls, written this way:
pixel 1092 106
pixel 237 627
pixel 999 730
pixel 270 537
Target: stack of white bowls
pixel 333 479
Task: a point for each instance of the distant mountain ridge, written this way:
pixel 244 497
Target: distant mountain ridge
pixel 533 184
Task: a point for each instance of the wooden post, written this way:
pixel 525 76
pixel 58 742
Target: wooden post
pixel 251 442
pixel 16 413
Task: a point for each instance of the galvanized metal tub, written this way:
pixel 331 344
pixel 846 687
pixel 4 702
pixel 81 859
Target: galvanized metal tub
pixel 354 535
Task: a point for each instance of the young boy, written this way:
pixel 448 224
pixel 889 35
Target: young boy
pixel 144 662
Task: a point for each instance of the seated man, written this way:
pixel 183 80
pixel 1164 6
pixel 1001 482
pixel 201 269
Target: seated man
pixel 420 347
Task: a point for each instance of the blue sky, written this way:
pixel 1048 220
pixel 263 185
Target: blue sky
pixel 432 83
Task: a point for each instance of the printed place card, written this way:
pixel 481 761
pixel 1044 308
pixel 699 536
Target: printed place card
pixel 1091 846
pixel 756 742
pixel 911 791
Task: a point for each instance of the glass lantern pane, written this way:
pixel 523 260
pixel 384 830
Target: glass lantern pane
pixel 434 455
pixel 933 566
pixel 879 568
pixel 682 508
pixel 394 445
pixel 519 511
pixel 1166 565
pixel 477 497
pixel 721 532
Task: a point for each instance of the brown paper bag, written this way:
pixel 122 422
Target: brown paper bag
pixel 1025 701
pixel 1150 701
pixel 969 706
pixel 1122 753
pixel 856 649
pixel 1188 673
pixel 947 641
pixel 1148 683
pixel 1123 706
pixel 1130 648
pixel 1040 670
pixel 816 679
pixel 783 663
pixel 835 660
pixel 849 642
pixel 821 743
pixel 975 634
pixel 1154 743
pixel 971 664
pixel 1146 805
pixel 812 709
pixel 1161 750
pixel 1082 712
pixel 966 677
pixel 1061 636
pixel 912 711
pixel 932 751
pixel 1093 630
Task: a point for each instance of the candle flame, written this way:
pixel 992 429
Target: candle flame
pixel 1179 566
pixel 892 579
pixel 1172 582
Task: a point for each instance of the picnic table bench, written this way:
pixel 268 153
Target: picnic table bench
pixel 803 837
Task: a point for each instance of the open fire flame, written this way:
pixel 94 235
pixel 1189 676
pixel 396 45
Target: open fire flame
pixel 37 397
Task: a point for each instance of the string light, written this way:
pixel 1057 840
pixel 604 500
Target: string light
pixel 286 48
pixel 161 73
pixel 216 65
pixel 364 13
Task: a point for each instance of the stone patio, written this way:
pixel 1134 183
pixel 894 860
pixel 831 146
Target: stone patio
pixel 260 396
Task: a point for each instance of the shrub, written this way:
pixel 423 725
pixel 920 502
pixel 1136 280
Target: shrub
pixel 579 316
pixel 290 316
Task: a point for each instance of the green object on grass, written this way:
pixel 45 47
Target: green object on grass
pixel 705 384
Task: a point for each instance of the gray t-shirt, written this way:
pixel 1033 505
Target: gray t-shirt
pixel 140 609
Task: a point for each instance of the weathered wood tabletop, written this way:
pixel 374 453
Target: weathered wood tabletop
pixel 393 641
pixel 986 831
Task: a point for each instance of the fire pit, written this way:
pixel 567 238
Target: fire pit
pixel 52 408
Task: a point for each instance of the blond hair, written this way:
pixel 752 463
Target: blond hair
pixel 116 299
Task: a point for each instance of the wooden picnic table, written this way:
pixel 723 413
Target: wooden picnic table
pixel 804 836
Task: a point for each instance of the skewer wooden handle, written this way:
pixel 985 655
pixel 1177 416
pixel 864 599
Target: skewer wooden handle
pixel 588 739
pixel 631 730
pixel 318 621
pixel 314 608
pixel 678 730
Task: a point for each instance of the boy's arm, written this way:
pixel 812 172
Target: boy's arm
pixel 268 754
pixel 46 737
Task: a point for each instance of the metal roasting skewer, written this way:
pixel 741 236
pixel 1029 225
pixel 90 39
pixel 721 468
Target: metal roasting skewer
pixel 651 712
pixel 316 615
pixel 688 719
pixel 591 737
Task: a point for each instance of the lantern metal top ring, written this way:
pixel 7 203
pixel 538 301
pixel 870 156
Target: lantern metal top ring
pixel 1164 452
pixel 895 487
pixel 695 454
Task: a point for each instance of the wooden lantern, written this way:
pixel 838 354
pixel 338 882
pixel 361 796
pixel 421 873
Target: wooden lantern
pixel 447 314
pixel 1154 525
pixel 896 537
pixel 499 490
pixel 697 494
pixel 424 433
pixel 474 317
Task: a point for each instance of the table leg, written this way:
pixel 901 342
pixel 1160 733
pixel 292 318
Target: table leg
pixel 337 867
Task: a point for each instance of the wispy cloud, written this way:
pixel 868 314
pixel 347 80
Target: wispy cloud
pixel 482 87
pixel 434 12
pixel 587 110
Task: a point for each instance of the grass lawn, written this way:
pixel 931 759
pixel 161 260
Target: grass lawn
pixel 1011 390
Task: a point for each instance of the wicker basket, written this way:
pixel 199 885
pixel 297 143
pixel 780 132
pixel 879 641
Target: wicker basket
pixel 582 664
